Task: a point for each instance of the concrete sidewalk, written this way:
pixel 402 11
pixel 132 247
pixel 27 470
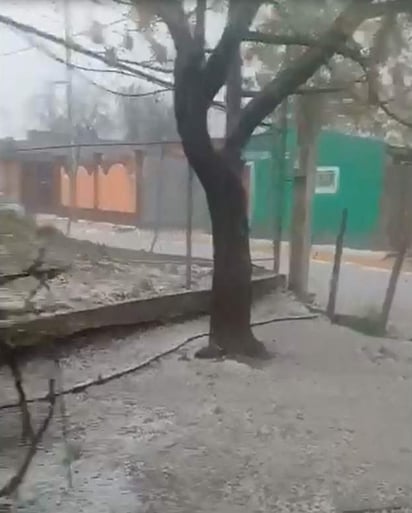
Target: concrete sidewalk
pixel 364 274
pixel 174 242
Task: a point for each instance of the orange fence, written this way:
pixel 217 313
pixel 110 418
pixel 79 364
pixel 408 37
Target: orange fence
pixel 107 187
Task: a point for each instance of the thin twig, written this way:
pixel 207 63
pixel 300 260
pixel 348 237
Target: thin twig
pixel 12 485
pixel 102 380
pixel 64 422
pixel 27 428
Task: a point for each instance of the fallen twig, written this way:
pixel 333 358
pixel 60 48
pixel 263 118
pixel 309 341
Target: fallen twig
pixel 64 423
pixel 102 380
pixel 27 429
pixel 12 485
pixel 36 271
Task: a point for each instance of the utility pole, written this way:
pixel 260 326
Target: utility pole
pixel 308 127
pixel 279 174
pixel 72 161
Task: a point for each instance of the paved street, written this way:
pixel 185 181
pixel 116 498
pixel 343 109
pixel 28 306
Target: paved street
pixel 361 289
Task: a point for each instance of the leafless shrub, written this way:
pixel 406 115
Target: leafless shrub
pixel 9 346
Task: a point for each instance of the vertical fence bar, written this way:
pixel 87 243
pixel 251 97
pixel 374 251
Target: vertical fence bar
pixel 280 186
pixel 159 194
pixel 403 244
pixel 334 281
pixel 281 175
pixel 138 163
pixel 189 226
pixel 73 151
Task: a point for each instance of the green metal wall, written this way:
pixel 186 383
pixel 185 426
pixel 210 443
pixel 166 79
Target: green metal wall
pixel 361 167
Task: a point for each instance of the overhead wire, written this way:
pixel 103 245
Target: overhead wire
pixel 81 33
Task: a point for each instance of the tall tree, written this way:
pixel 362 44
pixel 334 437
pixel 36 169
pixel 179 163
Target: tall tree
pixel 198 78
pixel 199 74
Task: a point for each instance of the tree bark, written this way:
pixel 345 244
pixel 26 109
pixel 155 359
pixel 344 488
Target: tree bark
pixel 230 331
pixel 220 173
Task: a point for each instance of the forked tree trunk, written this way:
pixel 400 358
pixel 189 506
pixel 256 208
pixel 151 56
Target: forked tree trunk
pixel 230 331
pixel 220 175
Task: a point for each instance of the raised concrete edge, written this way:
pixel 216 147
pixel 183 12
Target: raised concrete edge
pixel 126 313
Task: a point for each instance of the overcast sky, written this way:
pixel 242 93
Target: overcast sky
pixel 26 71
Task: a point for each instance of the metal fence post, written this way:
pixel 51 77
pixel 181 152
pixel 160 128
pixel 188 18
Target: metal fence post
pixel 159 194
pixel 189 226
pixel 279 172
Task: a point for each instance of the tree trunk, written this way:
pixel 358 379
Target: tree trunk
pixel 230 331
pixel 220 174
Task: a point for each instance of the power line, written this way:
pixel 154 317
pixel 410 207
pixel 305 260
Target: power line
pixel 78 70
pixel 124 93
pixel 29 29
pixel 96 145
pixel 82 33
pixel 113 143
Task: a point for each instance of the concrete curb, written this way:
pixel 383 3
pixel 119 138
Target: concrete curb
pixel 126 313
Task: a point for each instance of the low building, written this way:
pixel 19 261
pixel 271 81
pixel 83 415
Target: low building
pixel 148 185
pixel 353 172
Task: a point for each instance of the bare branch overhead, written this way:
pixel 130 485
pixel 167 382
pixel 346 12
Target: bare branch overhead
pixel 383 7
pixel 173 15
pixel 295 75
pixel 28 29
pixel 200 27
pixel 349 49
pixel 219 62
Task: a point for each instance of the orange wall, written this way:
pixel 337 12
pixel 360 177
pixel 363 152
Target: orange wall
pixel 84 188
pixel 116 187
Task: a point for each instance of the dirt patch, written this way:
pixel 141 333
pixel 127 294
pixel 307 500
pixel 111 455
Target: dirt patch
pixel 96 274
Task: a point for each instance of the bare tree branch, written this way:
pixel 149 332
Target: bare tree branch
pixel 242 13
pixel 349 49
pixel 368 66
pixel 146 65
pixel 296 74
pixel 234 79
pixel 200 28
pixel 8 353
pixel 396 117
pixel 12 485
pixel 173 15
pixel 37 273
pixel 28 29
pixel 331 88
pixel 125 94
pixel 379 9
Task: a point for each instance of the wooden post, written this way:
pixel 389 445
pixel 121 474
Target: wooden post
pixel 189 226
pixel 280 172
pixel 308 126
pixel 279 176
pixel 159 194
pixel 334 281
pixel 404 228
pixel 390 291
pixel 138 167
